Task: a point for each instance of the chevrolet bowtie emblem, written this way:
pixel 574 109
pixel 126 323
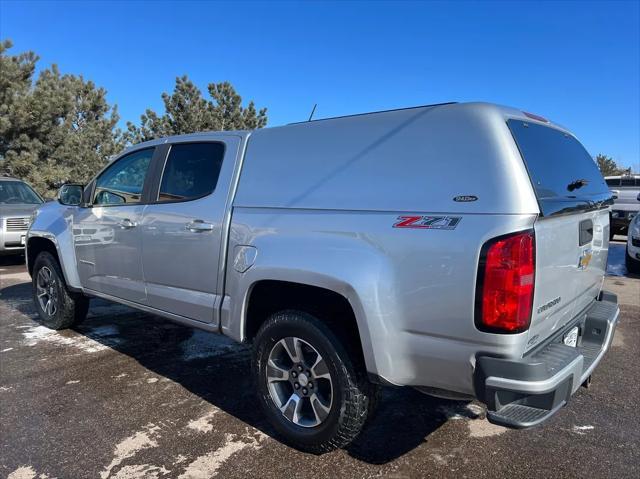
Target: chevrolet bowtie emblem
pixel 585 259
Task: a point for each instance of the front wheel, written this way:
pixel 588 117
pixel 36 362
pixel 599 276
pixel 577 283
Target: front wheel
pixel 57 307
pixel 311 390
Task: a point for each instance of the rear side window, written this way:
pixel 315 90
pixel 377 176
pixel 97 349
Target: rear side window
pixel 559 166
pixel 628 182
pixel 191 171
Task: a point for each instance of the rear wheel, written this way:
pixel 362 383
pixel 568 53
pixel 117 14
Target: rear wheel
pixel 313 393
pixel 632 264
pixel 57 307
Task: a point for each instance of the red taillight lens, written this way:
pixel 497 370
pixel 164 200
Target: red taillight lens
pixel 504 294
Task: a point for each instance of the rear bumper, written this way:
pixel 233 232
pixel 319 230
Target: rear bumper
pixel 525 392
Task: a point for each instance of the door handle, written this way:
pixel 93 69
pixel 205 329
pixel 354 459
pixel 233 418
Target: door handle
pixel 199 226
pixel 127 224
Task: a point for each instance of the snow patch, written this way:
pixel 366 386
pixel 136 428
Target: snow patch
pixel 131 445
pixel 207 466
pixel 203 424
pixel 74 381
pixel 152 380
pixel 483 428
pixel 582 429
pixel 40 334
pixel 23 472
pixel 141 471
pixel 6 350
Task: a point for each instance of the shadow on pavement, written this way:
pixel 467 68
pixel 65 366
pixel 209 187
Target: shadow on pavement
pixel 218 370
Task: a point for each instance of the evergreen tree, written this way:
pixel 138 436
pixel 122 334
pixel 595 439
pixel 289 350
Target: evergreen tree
pixel 608 167
pixel 56 129
pixel 186 111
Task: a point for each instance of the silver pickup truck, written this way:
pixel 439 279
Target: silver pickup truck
pixel 459 249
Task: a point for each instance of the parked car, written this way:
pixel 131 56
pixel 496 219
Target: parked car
pixel 625 189
pixel 17 201
pixel 343 251
pixel 632 257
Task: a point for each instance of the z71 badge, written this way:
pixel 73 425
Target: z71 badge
pixel 428 222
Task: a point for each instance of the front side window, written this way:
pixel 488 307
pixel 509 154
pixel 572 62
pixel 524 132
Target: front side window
pixel 191 171
pixel 122 182
pixel 17 193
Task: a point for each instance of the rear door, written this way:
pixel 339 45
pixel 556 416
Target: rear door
pixel 572 232
pixel 182 228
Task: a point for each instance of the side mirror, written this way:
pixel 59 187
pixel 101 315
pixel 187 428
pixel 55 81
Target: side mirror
pixel 70 194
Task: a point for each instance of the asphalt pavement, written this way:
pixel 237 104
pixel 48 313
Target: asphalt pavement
pixel 131 395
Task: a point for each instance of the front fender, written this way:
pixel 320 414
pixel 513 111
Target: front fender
pixel 54 222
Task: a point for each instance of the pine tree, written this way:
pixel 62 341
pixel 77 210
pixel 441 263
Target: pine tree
pixel 57 128
pixel 608 167
pixel 187 111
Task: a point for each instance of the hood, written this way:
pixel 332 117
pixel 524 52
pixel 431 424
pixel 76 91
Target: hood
pixel 17 210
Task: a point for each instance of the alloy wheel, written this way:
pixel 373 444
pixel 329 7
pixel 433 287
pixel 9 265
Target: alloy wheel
pixel 299 382
pixel 47 291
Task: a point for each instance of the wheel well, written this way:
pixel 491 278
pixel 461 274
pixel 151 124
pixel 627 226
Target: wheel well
pixel 270 296
pixel 35 247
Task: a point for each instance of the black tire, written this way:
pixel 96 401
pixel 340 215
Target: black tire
pixel 71 308
pixel 353 395
pixel 633 265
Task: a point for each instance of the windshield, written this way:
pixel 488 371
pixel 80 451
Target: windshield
pixel 18 193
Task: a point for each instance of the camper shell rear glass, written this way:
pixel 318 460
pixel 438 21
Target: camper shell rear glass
pixel 564 176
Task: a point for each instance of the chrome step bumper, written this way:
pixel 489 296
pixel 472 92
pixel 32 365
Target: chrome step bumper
pixel 524 392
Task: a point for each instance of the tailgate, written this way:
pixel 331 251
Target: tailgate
pixel 572 231
pixel 571 260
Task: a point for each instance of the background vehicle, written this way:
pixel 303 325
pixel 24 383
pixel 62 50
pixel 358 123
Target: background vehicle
pixel 626 205
pixel 17 201
pixel 632 256
pixel 340 250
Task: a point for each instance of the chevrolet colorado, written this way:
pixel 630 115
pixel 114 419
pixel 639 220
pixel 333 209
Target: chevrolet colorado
pixel 456 248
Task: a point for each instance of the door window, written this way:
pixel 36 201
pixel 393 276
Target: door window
pixel 191 171
pixel 122 182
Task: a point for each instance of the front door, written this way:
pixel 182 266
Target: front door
pixel 107 235
pixel 182 228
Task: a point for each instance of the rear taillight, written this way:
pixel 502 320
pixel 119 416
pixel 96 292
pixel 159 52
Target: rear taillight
pixel 504 292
